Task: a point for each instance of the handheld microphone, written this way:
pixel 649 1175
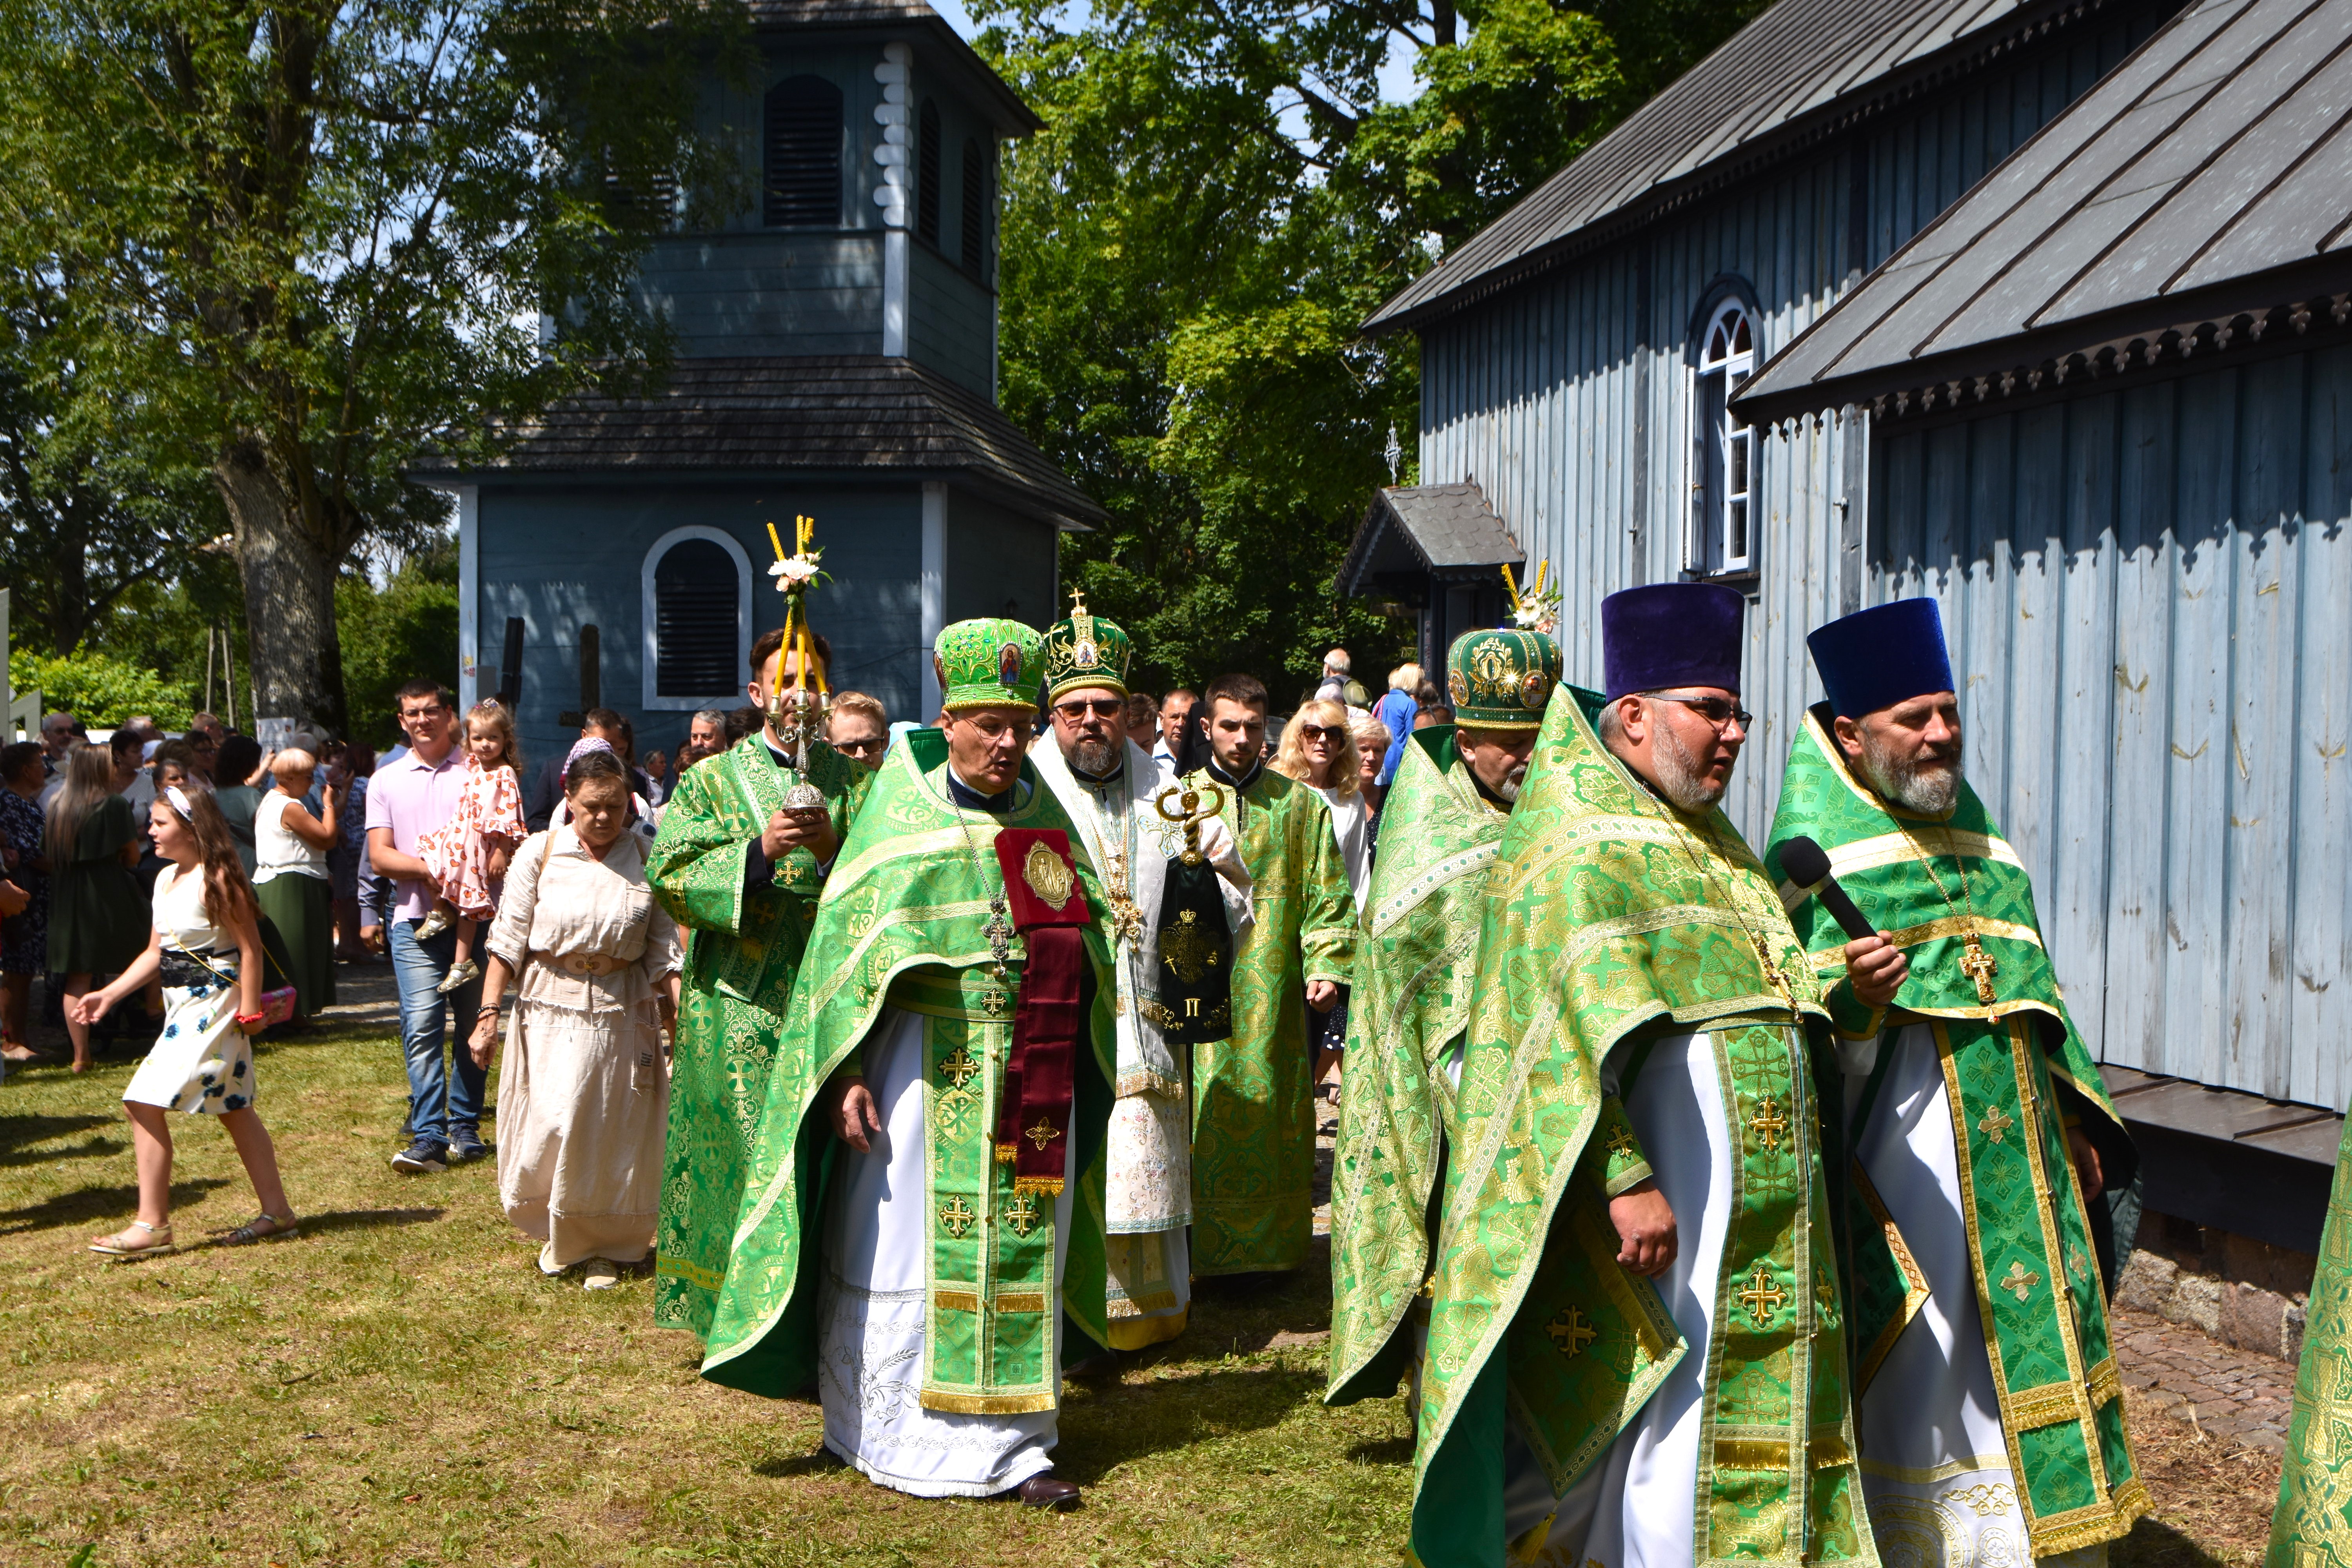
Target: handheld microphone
pixel 1807 866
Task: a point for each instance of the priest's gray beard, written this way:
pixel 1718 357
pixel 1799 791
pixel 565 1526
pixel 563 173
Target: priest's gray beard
pixel 1095 757
pixel 1680 778
pixel 1929 785
pixel 1513 781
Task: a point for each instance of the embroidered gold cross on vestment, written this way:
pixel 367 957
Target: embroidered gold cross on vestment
pixel 1020 1215
pixel 1569 1331
pixel 1768 1124
pixel 2021 1279
pixel 959 1069
pixel 1995 1123
pixel 956 1217
pixel 1762 1298
pixel 1045 1132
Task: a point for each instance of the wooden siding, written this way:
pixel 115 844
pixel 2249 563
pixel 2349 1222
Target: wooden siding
pixel 952 320
pixel 998 563
pixel 2147 593
pixel 768 293
pixel 1566 399
pixel 564 555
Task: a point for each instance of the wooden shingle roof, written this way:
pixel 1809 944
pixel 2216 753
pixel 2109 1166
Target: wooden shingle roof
pixel 2207 178
pixel 1447 530
pixel 1803 70
pixel 861 414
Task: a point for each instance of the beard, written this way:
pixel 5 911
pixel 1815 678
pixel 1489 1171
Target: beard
pixel 1680 778
pixel 1092 757
pixel 1929 785
pixel 1512 783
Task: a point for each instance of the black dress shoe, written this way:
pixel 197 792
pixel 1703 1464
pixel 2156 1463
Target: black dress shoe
pixel 1042 1491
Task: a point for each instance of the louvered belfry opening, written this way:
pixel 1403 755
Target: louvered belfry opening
pixel 801 153
pixel 926 174
pixel 974 255
pixel 696 591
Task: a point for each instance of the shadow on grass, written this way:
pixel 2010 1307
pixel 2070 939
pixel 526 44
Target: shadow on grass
pixel 824 1462
pixel 89 1148
pixel 1136 1420
pixel 1382 1451
pixel 19 1134
pixel 86 1204
pixel 366 1219
pixel 2154 1545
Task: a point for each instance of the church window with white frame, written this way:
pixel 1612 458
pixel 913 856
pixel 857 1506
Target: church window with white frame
pixel 696 586
pixel 1721 538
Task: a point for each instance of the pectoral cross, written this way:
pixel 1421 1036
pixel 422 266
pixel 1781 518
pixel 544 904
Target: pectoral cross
pixel 1981 966
pixel 1762 1298
pixel 998 932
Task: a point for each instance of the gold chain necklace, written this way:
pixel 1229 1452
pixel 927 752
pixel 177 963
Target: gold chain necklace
pixel 999 929
pixel 1127 919
pixel 1774 976
pixel 1977 964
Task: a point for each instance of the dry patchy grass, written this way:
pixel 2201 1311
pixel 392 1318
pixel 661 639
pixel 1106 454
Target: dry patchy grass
pixel 400 1386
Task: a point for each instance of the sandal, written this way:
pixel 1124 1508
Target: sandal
pixel 121 1244
pixel 250 1231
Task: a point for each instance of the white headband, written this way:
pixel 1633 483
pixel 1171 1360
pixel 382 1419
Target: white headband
pixel 180 802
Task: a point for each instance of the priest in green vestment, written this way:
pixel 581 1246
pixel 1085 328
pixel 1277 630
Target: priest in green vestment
pixel 1253 1093
pixel 2312 1526
pixel 1657 1376
pixel 743 873
pixel 1975 1127
pixel 926 1194
pixel 1441 824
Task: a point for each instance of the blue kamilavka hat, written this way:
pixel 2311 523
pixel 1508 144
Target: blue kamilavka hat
pixel 1887 654
pixel 1668 635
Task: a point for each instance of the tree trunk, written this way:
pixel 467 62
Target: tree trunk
pixel 293 653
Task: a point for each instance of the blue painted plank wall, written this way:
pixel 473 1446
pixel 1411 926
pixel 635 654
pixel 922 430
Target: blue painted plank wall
pixel 950 320
pixel 777 292
pixel 565 555
pixel 2148 594
pixel 1000 563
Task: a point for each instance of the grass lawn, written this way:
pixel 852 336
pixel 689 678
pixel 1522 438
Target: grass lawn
pixel 399 1385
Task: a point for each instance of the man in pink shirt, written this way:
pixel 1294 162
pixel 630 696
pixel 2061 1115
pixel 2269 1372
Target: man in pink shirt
pixel 406 800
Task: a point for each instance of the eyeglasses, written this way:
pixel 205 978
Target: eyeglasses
pixel 992 726
pixel 873 747
pixel 1717 711
pixel 1314 735
pixel 1102 708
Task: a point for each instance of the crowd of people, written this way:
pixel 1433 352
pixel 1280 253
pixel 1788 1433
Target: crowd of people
pixel 926 1067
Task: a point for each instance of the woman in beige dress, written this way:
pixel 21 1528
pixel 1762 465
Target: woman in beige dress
pixel 585 1101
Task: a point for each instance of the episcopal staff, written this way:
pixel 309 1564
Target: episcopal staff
pixel 1978 1127
pixel 1443 824
pixel 742 867
pixel 1110 790
pixel 941 1093
pixel 1657 1376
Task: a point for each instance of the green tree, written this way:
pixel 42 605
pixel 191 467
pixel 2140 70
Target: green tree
pixel 316 238
pixel 394 635
pixel 1220 197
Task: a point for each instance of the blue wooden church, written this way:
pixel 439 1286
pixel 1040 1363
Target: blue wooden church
pixel 836 357
pixel 2038 307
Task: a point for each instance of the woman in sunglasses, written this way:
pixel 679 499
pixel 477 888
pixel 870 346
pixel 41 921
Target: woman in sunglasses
pixel 1318 750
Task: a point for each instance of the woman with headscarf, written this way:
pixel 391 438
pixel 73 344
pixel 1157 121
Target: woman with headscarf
pixel 584 1103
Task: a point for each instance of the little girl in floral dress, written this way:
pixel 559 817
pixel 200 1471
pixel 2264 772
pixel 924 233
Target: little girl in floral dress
pixel 466 856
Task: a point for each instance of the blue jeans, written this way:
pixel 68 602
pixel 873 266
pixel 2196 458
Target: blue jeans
pixel 435 1102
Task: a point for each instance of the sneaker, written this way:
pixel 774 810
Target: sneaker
pixel 424 1155
pixel 465 1145
pixel 459 974
pixel 601 1274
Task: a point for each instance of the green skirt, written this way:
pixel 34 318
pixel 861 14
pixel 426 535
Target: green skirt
pixel 301 908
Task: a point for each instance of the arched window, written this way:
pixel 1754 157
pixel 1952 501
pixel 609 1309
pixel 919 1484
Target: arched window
pixel 974 255
pixel 801 154
pixel 1722 536
pixel 697 591
pixel 927 173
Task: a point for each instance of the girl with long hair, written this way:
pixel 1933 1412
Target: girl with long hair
pixel 96 911
pixel 466 856
pixel 205 946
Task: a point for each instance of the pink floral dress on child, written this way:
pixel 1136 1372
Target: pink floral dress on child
pixel 458 853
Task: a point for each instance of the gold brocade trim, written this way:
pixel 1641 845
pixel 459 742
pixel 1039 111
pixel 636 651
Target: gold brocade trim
pixel 1032 1301
pixel 2087 1526
pixel 1961 925
pixel 1826 1451
pixel 2046 1406
pixel 1148 1302
pixel 1887 849
pixel 956 1301
pixel 1914 1283
pixel 1141 1333
pixel 987 1404
pixel 1943 1472
pixel 693 1274
pixel 1167 1018
pixel 2107 1384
